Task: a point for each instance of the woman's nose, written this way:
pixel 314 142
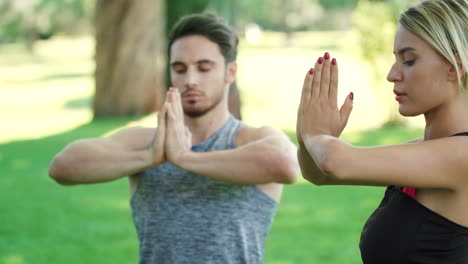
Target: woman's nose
pixel 394 75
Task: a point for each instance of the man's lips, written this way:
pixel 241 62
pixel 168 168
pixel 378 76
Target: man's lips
pixel 190 95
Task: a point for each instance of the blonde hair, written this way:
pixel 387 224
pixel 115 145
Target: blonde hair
pixel 443 24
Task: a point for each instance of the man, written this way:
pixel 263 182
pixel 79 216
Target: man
pixel 205 186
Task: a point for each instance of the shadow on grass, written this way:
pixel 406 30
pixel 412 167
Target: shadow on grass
pixel 83 102
pixel 64 76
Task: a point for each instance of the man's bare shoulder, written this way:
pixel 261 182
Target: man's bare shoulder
pixel 249 133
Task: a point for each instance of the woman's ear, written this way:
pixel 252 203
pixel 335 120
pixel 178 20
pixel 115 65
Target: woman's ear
pixel 453 75
pixel 231 70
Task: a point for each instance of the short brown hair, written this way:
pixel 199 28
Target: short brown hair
pixel 210 26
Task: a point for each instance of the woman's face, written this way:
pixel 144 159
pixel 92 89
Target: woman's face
pixel 420 76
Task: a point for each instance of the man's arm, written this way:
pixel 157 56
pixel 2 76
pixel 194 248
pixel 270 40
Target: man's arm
pixel 105 159
pixel 264 155
pixel 269 158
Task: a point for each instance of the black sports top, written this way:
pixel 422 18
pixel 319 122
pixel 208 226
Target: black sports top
pixel 401 230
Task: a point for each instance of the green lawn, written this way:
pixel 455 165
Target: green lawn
pixel 44 104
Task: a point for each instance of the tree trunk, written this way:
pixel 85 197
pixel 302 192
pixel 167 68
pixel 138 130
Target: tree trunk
pixel 129 75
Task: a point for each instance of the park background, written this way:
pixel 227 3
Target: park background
pixel 73 69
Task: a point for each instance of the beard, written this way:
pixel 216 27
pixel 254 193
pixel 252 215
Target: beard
pixel 194 111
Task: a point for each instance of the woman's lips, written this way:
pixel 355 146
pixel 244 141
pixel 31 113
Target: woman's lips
pixel 399 95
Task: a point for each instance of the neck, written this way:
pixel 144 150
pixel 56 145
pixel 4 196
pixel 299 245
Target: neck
pixel 203 127
pixel 447 120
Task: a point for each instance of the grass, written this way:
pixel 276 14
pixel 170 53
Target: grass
pixel 44 104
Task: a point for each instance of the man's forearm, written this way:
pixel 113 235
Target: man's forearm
pixel 90 162
pixel 247 165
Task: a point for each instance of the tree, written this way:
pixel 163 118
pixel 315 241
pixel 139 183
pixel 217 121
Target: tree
pixel 129 57
pixel 30 20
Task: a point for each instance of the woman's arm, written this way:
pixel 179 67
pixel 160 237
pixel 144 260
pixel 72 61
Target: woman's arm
pixel 325 159
pixel 439 163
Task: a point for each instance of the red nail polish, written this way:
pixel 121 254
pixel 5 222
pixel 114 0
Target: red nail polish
pixel 311 71
pixel 327 55
pixel 334 61
pixel 351 96
pixel 320 60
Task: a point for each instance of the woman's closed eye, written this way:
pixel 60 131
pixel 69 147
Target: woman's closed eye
pixel 409 62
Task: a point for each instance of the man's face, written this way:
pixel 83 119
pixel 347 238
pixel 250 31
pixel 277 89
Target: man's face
pixel 199 71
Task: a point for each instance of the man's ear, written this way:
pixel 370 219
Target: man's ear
pixel 231 70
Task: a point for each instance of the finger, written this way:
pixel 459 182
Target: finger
pixel 306 87
pixel 162 115
pixel 169 96
pixel 346 108
pixel 170 112
pixel 317 78
pixel 333 93
pixel 325 79
pixel 161 130
pixel 178 102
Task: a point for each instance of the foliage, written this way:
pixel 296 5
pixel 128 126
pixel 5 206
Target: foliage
pixel 375 23
pixel 338 4
pixel 28 20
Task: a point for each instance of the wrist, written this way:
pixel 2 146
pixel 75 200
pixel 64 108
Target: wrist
pixel 183 159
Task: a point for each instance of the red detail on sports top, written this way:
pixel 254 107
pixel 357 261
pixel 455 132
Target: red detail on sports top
pixel 409 191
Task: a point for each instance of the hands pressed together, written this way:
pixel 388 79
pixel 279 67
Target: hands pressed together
pixel 173 139
pixel 318 112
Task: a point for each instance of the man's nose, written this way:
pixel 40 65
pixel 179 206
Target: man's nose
pixel 192 79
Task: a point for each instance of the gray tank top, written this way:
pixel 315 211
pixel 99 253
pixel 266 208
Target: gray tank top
pixel 182 217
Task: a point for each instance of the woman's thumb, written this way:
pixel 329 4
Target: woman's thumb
pixel 345 110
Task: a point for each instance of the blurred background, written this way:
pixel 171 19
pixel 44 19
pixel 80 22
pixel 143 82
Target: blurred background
pixel 73 69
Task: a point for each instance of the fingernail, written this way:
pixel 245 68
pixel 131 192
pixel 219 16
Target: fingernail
pixel 320 60
pixel 351 96
pixel 327 55
pixel 334 61
pixel 311 71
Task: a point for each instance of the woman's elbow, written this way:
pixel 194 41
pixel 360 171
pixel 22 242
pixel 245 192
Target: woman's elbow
pixel 331 166
pixel 326 170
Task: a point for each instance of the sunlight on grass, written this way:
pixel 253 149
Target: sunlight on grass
pixel 35 93
pixel 12 259
pixel 51 91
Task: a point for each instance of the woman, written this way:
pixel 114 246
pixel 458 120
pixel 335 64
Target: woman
pixel 423 217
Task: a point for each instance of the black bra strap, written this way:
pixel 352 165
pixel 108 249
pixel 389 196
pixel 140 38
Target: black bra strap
pixel 461 134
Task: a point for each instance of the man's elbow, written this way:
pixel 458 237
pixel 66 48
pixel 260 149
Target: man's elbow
pixel 288 170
